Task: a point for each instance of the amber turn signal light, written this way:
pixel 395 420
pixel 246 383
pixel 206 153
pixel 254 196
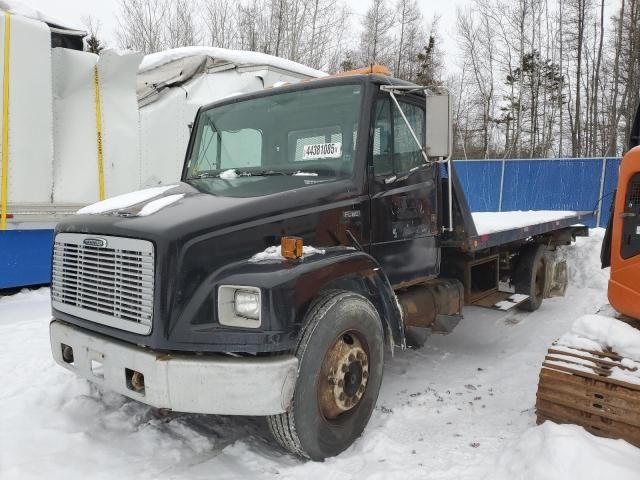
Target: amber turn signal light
pixel 291 247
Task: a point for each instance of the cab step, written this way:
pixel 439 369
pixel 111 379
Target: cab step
pixel 503 301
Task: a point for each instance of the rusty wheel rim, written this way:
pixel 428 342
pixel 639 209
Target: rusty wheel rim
pixel 344 376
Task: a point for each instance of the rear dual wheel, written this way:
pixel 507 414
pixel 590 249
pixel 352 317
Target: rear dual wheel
pixel 530 276
pixel 341 356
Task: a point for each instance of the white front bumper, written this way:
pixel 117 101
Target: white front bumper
pixel 214 384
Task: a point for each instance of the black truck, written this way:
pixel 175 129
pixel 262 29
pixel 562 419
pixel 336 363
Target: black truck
pixel 316 228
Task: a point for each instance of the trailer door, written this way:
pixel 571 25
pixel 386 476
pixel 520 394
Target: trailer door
pixel 403 189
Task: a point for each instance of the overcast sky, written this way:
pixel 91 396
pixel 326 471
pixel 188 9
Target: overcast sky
pixel 106 11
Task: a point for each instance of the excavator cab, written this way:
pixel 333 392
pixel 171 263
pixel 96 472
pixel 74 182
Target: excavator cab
pixel 621 247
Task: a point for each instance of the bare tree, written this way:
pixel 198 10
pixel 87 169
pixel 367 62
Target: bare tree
pixel 478 42
pixel 376 44
pixel 141 25
pixel 409 35
pixel 180 24
pixel 221 24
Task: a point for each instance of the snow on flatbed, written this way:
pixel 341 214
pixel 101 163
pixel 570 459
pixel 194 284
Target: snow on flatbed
pixel 460 408
pixel 493 222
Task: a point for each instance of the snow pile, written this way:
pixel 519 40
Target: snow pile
pixel 275 253
pixel 124 201
pixel 600 333
pixel 305 174
pixel 228 174
pixel 223 55
pixel 583 260
pixel 552 452
pixel 492 222
pixel 156 205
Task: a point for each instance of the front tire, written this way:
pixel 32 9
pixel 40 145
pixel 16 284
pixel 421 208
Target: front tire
pixel 341 359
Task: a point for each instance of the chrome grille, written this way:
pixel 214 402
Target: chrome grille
pixel 107 280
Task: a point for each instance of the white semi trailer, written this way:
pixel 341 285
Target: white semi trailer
pixel 78 127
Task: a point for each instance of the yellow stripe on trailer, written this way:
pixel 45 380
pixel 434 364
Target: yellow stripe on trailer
pixel 96 84
pixel 5 121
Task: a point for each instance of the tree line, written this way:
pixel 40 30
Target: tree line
pixel 530 78
pixel 541 78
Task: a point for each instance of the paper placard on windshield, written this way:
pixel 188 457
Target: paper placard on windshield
pixel 322 150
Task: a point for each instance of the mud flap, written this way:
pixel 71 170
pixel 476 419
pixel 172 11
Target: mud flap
pixel 445 324
pixel 557 277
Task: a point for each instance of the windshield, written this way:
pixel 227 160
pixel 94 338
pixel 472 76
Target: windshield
pixel 276 143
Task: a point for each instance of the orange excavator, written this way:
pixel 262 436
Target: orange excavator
pixel 621 247
pixel 576 385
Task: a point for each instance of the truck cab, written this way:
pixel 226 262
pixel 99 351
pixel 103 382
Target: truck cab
pixel 316 226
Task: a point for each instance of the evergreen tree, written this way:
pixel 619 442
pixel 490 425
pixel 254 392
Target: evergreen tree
pixel 427 73
pixel 94 45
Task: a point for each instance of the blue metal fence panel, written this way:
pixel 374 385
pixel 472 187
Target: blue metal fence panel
pixel 25 257
pixel 481 183
pixel 540 184
pixel 549 185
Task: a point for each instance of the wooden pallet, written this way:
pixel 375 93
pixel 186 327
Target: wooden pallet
pixel 575 387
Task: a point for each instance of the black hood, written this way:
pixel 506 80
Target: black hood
pixel 191 213
pixel 199 236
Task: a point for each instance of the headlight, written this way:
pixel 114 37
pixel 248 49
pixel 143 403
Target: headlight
pixel 239 306
pixel 247 304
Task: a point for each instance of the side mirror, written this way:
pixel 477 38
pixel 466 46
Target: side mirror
pixel 439 125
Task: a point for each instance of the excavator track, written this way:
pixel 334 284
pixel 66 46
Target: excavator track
pixel 576 387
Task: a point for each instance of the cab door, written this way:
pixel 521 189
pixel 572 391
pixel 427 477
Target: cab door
pixel 403 193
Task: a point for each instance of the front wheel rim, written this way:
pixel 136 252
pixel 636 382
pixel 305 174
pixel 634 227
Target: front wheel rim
pixel 343 377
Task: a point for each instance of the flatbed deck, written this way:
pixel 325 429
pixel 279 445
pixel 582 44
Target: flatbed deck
pixel 500 228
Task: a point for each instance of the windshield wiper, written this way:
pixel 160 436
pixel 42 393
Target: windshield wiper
pixel 249 173
pixel 203 175
pixel 239 173
pixel 262 173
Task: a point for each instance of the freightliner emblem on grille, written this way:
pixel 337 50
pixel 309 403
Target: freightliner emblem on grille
pixel 95 242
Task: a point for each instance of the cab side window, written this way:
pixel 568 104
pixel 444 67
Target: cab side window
pixel 406 152
pixel 395 152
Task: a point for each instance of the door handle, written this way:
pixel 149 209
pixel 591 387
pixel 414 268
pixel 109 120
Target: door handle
pixel 628 215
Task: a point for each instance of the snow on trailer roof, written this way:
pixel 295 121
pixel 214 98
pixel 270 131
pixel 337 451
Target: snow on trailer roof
pixel 19 8
pixel 493 222
pixel 222 55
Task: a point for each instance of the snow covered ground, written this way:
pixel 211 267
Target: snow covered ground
pixel 461 408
